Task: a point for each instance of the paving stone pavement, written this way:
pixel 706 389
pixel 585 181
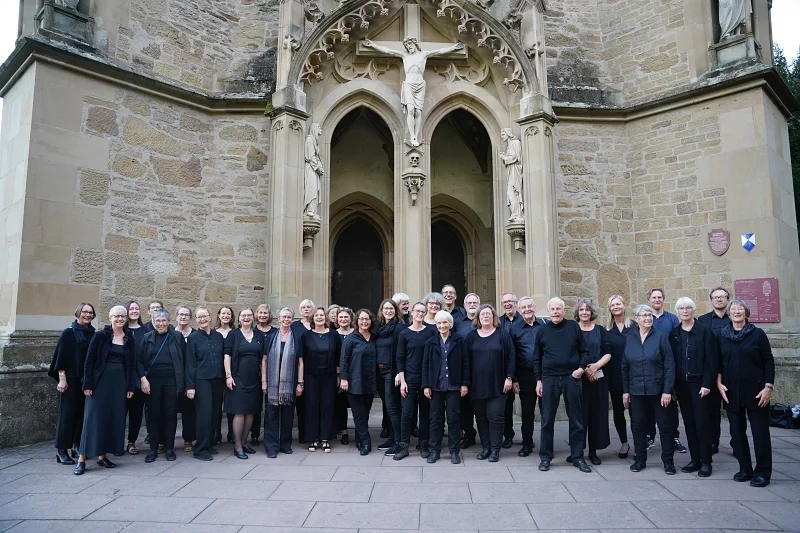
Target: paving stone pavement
pixel 345 492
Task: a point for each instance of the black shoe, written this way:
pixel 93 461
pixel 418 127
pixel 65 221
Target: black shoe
pixel 467 442
pixel 705 471
pixel 714 449
pixel 169 455
pixel 669 468
pixel 313 446
pixel 581 465
pixel 385 445
pixel 507 442
pixel 287 451
pixel 402 453
pixel 595 460
pixel 229 438
pixel 392 451
pixel 624 455
pixel 364 450
pixel 694 466
pixel 759 481
pixel 434 456
pixel 74 453
pixel 105 462
pixel 741 477
pixel 253 442
pixel 151 456
pixel 247 449
pixel 80 468
pixel 384 434
pixel 204 457
pixel 569 459
pixel 63 458
pixel 425 449
pixel 119 454
pixel 638 466
pixel 239 454
pixel 272 455
pixel 455 458
pixel 524 451
pixel 415 432
pixel 345 439
pixel 483 455
pixel 679 447
pixel 213 451
pixel 544 465
pixel 494 456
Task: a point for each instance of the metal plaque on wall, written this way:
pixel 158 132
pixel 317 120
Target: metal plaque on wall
pixel 719 241
pixel 761 296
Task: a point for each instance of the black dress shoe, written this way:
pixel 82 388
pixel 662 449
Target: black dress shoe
pixel 364 450
pixel 425 449
pixel 204 457
pixel 705 471
pixel 74 453
pixel 581 465
pixel 151 456
pixel 287 451
pixel 638 466
pixel 507 442
pixel 169 455
pixel 741 477
pixel 384 434
pixel 624 455
pixel 213 451
pixel 494 456
pixel 569 459
pixel 694 466
pixel 80 468
pixel 433 457
pixel 467 442
pixel 669 468
pixel 272 455
pixel 524 451
pixel 544 466
pixel 484 454
pixel 239 454
pixel 455 458
pixel 759 481
pixel 385 445
pixel 247 449
pixel 105 462
pixel 63 458
pixel 595 460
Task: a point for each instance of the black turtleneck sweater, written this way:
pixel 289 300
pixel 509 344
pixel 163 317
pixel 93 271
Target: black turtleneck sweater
pixel 559 349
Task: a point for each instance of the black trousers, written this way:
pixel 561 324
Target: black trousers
pixel 415 400
pixel 162 411
pixel 595 413
pixel 300 402
pixel 390 395
pixel 508 416
pixel 759 427
pixel 490 420
pixel 70 415
pixel 647 411
pixel 715 414
pixel 696 421
pixel 554 387
pixel 188 419
pixel 278 420
pixel 619 415
pixel 672 419
pixel 360 405
pixel 340 411
pixel 207 404
pixel 320 393
pixel 449 401
pixel 255 429
pixel 135 414
pixel 527 400
pixel 467 417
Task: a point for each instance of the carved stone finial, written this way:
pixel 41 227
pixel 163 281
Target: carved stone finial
pixel 312 11
pixel 413 176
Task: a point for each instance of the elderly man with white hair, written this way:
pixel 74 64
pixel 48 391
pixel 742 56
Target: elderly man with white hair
pixel 560 357
pixel 694 348
pixel 403 302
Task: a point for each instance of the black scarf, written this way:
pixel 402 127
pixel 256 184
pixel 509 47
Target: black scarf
pixel 736 336
pixel 387 330
pixel 83 334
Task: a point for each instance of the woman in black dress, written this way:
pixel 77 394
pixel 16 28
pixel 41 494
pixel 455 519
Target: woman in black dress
pixel 619 326
pixel 594 382
pixel 225 324
pixel 745 381
pixel 389 328
pixel 244 348
pixel 263 326
pixel 108 376
pixel 492 365
pixel 160 366
pixel 66 368
pixel 357 371
pixel 135 404
pixel 322 348
pixel 282 382
pixel 345 320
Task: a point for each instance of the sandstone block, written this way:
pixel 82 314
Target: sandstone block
pixel 176 172
pixel 570 276
pixel 87 266
pixel 253 247
pixel 218 249
pixel 238 133
pixel 583 229
pixel 251 219
pixel 144 232
pixel 128 167
pixel 120 243
pixel 137 132
pixel 256 159
pixel 135 103
pixel 94 187
pixel 117 262
pixel 612 279
pixel 130 285
pixel 191 123
pixel 579 257
pixel 574 170
pixel 102 120
pixel 218 292
pixel 187 266
pixel 184 289
pixel 152 50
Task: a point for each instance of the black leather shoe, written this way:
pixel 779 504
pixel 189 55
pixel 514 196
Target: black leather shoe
pixel 581 465
pixel 383 446
pixel 455 458
pixel 741 477
pixel 544 466
pixel 247 449
pixel 169 455
pixel 239 454
pixel 425 449
pixel 364 450
pixel 254 442
pixel 272 455
pixel 213 451
pixel 705 471
pixel 151 456
pixel 569 459
pixel 638 467
pixel 595 460
pixel 669 468
pixel 467 442
pixel 524 451
pixel 402 453
pixel 204 457
pixel 393 450
pixel 507 442
pixel 433 457
pixel 483 455
pixel 494 456
pixel 759 481
pixel 694 466
pixel 384 434
pixel 80 468
pixel 345 440
pixel 64 458
pixel 74 453
pixel 105 462
pixel 287 451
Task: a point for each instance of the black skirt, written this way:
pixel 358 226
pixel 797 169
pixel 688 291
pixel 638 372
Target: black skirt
pixel 104 416
pixel 246 396
pixel 595 413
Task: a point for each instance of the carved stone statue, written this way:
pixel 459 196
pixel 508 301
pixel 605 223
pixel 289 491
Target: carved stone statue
pixel 72 4
pixel 732 17
pixel 313 172
pixel 413 176
pixel 412 92
pixel 512 158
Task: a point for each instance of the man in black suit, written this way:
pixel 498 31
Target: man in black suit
pixel 717 320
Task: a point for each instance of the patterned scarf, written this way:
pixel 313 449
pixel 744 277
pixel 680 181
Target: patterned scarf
pixel 281 371
pixel 736 336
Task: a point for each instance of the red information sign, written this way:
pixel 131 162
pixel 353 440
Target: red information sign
pixel 761 296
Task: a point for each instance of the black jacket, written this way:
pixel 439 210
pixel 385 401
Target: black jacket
pixel 96 356
pixel 746 366
pixel 357 364
pixel 317 363
pixel 177 347
pixel 702 359
pixel 204 356
pixel 457 362
pixel 70 352
pixel 714 323
pixel 648 368
pixel 386 336
pixel 524 337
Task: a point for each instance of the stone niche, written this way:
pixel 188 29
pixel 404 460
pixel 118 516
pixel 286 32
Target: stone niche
pixel 57 20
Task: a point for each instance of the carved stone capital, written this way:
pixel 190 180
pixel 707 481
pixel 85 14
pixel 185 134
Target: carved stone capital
pixel 311 226
pixel 516 230
pixel 413 179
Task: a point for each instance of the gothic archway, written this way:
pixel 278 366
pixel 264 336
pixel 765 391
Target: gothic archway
pixel 358 275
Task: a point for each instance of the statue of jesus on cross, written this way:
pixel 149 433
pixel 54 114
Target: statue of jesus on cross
pixel 412 92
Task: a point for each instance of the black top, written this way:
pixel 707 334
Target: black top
pixel 696 354
pixel 97 355
pixel 505 323
pixel 463 326
pixel 174 351
pixel 746 365
pixel 616 345
pixel 560 349
pixel 70 352
pixel 457 313
pixel 386 343
pixel 204 356
pixel 491 361
pixel 321 352
pixel 162 365
pixel 717 324
pixel 358 363
pixel 411 351
pixel 117 354
pixel 648 368
pixel 596 342
pixel 456 365
pixel 524 337
pixel 236 345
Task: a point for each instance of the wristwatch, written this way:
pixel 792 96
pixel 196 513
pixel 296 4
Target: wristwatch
pixel 770 387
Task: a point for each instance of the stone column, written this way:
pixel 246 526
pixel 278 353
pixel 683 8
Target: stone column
pixel 412 227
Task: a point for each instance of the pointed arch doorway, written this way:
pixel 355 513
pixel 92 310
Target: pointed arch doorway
pixel 448 260
pixel 357 267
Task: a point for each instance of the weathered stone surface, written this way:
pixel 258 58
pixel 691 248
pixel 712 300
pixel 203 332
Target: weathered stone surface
pixel 87 266
pixel 138 133
pixel 93 187
pixel 176 172
pixel 238 133
pixel 120 243
pixel 102 120
pixel 253 247
pixel 128 167
pixel 570 276
pixel 611 279
pixel 579 257
pixel 184 289
pixel 256 159
pixel 135 103
pixel 144 232
pixel 116 262
pixel 216 249
pixel 218 292
pixel 191 123
pixel 583 229
pixel 134 285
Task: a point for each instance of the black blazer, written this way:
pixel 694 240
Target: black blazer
pixel 457 362
pixel 177 348
pixel 327 363
pixel 358 362
pixel 648 368
pixel 96 356
pixel 746 366
pixel 70 354
pixel 703 362
pixel 204 356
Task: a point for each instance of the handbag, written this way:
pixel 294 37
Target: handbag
pixel 781 416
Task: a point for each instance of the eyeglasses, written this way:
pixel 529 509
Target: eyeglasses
pixel 645 315
pixel 184 314
pixel 684 309
pixel 198 317
pixel 509 302
pixel 720 297
pixel 119 316
pixel 365 319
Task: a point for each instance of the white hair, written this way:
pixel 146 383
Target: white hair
pixel 304 302
pixel 117 308
pixel 684 301
pixel 400 297
pixel 526 298
pixel 443 315
pixel 556 300
pixel 642 308
pixel 475 295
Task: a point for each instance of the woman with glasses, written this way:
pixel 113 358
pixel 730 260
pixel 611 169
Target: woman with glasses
pixel 322 348
pixel 357 371
pixel 264 327
pixel 188 416
pixel 434 302
pixel 345 320
pixel 619 327
pixel 389 328
pixel 135 404
pixel 648 378
pixel 225 324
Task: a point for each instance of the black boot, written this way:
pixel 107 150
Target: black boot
pixel 494 455
pixel 425 450
pixel 64 458
pixel 484 454
pixel 403 453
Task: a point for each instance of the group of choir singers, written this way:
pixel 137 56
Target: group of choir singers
pixel 430 362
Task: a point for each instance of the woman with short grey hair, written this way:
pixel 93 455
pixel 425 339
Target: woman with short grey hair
pixel 434 302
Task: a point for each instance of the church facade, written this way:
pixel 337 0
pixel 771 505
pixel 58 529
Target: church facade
pixel 242 152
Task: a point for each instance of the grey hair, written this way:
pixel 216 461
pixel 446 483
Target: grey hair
pixel 444 315
pixel 304 302
pixel 741 303
pixel 287 308
pixel 434 296
pixel 556 300
pixel 400 297
pixel 117 308
pixel 642 308
pixel 475 295
pixel 161 313
pixel 685 301
pixel 526 298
